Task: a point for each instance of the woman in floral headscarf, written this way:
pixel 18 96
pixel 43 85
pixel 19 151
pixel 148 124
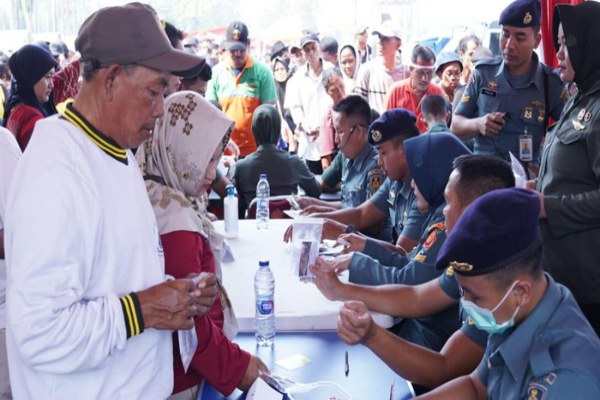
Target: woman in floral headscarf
pixel 179 163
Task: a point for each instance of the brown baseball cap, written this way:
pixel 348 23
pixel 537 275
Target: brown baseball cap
pixel 132 34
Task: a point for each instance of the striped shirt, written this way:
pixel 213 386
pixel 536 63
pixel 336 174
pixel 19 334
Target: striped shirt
pixel 374 80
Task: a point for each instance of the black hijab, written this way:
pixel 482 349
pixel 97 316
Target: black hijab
pixel 266 124
pixel 28 65
pixel 581 25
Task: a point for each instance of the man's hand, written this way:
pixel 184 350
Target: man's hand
pixel 326 279
pixel 357 242
pixel 355 324
pixel 490 124
pixel 341 262
pixel 332 229
pixel 170 305
pixel 251 374
pixel 316 209
pixel 312 135
pixel 304 201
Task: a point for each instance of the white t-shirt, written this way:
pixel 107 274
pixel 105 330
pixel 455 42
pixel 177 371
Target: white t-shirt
pixel 309 103
pixel 81 233
pixel 10 153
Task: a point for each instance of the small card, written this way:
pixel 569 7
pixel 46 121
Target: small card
pixel 260 390
pixel 293 362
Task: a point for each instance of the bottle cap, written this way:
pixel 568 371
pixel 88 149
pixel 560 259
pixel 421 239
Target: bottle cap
pixel 230 190
pixel 263 263
pixel 263 176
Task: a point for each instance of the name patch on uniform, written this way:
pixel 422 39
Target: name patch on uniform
pixel 489 92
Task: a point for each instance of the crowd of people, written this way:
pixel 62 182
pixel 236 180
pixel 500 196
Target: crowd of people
pixel 110 265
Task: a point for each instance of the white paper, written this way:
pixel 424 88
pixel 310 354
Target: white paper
pixel 518 172
pixel 188 341
pixel 261 391
pixel 292 213
pixel 227 253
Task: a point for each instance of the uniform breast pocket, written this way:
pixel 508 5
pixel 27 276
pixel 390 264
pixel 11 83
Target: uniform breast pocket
pixel 489 103
pixel 570 137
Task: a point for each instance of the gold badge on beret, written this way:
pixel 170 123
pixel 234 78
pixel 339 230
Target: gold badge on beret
pixel 528 18
pixel 461 267
pixel 236 34
pixel 376 135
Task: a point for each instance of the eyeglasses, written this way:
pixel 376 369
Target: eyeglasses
pixel 452 76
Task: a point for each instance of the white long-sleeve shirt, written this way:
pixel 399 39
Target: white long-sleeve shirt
pixel 80 233
pixel 10 153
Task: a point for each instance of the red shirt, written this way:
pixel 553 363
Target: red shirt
pixel 218 360
pixel 21 122
pixel 400 95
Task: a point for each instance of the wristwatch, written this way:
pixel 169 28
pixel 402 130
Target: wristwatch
pixel 351 229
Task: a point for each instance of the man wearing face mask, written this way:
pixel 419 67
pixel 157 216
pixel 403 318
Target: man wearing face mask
pixel 540 344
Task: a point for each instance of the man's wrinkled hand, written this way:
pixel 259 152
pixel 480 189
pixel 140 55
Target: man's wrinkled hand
pixel 170 305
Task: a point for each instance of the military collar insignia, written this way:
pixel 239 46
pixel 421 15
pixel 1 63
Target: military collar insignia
pixel 528 18
pixel 577 125
pixel 461 267
pixel 377 136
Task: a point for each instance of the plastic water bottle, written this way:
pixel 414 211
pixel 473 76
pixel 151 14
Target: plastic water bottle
pixel 231 213
pixel 262 205
pixel 264 291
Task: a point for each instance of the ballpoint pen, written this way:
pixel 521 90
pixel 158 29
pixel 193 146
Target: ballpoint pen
pixel 347 367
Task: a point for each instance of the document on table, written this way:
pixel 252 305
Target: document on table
pixel 260 390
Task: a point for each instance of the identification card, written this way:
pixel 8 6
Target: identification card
pixel 526 147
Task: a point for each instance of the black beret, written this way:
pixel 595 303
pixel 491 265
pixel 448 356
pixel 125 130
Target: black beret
pixel 522 14
pixel 498 229
pixel 392 123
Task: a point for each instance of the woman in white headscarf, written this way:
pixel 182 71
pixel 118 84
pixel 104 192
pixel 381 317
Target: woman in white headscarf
pixel 179 163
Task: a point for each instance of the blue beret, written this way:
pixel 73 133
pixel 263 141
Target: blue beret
pixel 392 123
pixel 522 14
pixel 498 229
pixel 430 158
